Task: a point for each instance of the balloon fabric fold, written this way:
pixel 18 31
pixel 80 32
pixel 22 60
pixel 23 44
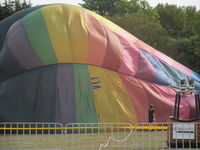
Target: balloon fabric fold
pixel 61 63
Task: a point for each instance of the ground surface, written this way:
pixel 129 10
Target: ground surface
pixel 86 141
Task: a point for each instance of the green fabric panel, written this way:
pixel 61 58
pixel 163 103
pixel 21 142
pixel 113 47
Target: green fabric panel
pixel 85 107
pixel 38 35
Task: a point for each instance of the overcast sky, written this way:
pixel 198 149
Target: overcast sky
pixel 151 2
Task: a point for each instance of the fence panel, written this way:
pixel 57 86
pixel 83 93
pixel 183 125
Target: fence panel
pixel 151 136
pixel 89 136
pixel 172 135
pixel 99 136
pixel 31 135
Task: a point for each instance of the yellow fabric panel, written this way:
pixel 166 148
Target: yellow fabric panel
pixel 77 33
pixel 113 27
pixel 112 101
pixel 58 32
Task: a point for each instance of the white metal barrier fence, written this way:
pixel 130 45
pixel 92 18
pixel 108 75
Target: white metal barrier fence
pixel 174 135
pixel 26 135
pixel 99 136
pixel 154 136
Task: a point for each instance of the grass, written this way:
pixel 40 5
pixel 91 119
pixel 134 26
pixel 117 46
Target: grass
pixel 87 141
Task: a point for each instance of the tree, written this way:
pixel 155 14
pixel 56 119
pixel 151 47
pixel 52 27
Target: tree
pixel 188 52
pixel 105 7
pixel 120 7
pixel 10 7
pixel 147 30
pixel 178 21
pixel 172 18
pixel 182 24
pixel 192 23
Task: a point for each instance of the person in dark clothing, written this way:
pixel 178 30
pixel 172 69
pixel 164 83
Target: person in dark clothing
pixel 151 114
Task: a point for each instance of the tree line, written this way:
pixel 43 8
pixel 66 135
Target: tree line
pixel 173 30
pixel 9 7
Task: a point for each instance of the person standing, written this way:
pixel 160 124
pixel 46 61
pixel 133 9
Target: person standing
pixel 151 114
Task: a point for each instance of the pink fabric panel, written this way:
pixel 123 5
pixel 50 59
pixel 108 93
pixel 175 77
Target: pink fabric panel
pixel 190 110
pixel 97 40
pixel 163 109
pixel 140 44
pixel 134 62
pixel 168 95
pixel 143 93
pixel 145 69
pixel 114 54
pixel 138 96
pixel 130 57
pixel 127 36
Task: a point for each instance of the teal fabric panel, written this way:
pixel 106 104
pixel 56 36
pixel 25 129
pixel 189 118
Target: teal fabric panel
pixel 85 107
pixel 35 27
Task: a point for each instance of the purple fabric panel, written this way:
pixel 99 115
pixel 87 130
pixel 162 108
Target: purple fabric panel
pixel 65 107
pixel 13 27
pixel 21 48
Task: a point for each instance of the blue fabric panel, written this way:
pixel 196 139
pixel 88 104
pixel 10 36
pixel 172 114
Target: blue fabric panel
pixel 30 96
pixel 196 77
pixel 166 75
pixel 174 75
pixel 8 64
pixel 160 77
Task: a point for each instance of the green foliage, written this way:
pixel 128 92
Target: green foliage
pixel 178 21
pixel 172 19
pixel 144 28
pixel 105 7
pixel 10 7
pixel 147 30
pixel 188 52
pixel 182 24
pixel 173 30
pixel 120 7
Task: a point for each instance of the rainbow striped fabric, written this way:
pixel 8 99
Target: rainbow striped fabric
pixel 67 64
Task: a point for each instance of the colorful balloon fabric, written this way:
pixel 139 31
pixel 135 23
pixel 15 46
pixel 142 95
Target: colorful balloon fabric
pixel 61 63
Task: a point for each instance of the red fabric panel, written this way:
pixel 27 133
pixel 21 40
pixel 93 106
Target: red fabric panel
pixel 97 40
pixel 114 51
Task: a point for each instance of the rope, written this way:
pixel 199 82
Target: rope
pixel 101 145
